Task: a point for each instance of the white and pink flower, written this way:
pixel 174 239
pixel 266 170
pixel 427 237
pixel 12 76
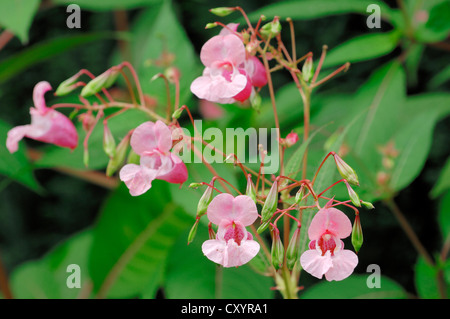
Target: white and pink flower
pixel 234 245
pixel 47 125
pixel 153 142
pixel 230 75
pixel 327 255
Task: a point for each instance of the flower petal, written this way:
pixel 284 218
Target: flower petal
pixel 15 135
pixel 344 263
pixel 225 207
pixel 330 220
pixel 54 128
pixel 163 136
pixel 217 88
pixel 214 250
pixel 223 48
pixel 144 138
pixel 178 174
pixel 316 264
pixel 136 179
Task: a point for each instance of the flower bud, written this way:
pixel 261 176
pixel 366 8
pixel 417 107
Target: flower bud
pixel 271 29
pixel 353 196
pixel 367 205
pixel 308 70
pixel 193 231
pixel 293 249
pixel 271 203
pixel 86 157
pixel 346 171
pixel 211 25
pixel 357 234
pixel 250 190
pixel 263 227
pixel 176 115
pixel 119 157
pixel 103 81
pixel 109 144
pixel 204 201
pixel 255 101
pixel 277 252
pixel 172 74
pixel 299 195
pixel 195 185
pixel 222 11
pixel 67 86
pixel 291 139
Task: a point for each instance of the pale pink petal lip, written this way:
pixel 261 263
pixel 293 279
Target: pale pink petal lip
pixel 218 88
pixel 15 135
pixel 316 264
pixel 137 181
pixel 214 250
pixel 343 265
pixel 332 220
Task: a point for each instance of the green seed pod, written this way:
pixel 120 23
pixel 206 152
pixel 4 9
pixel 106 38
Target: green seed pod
pixel 271 203
pixel 277 250
pixel 357 234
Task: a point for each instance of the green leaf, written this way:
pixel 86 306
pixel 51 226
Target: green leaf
pixel 440 78
pixel 414 138
pixel 355 287
pixel 190 275
pixel 426 280
pixel 436 27
pixel 46 278
pixel 380 101
pixel 362 48
pixel 312 9
pixel 443 182
pixel 17 16
pixel 16 166
pixel 132 238
pixel 444 216
pixel 109 5
pixel 42 51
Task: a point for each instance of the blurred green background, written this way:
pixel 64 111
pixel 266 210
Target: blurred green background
pixel 51 215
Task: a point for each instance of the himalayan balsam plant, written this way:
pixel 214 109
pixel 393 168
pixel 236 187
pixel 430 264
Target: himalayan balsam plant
pixel 262 221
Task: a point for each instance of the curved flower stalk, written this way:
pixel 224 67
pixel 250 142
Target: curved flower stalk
pixel 152 142
pixel 47 125
pixel 234 245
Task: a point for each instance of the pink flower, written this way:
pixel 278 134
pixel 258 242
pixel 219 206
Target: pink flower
pixel 152 141
pixel 47 125
pixel 229 75
pixel 327 255
pixel 233 245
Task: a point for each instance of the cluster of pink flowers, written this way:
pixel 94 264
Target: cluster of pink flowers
pixel 230 73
